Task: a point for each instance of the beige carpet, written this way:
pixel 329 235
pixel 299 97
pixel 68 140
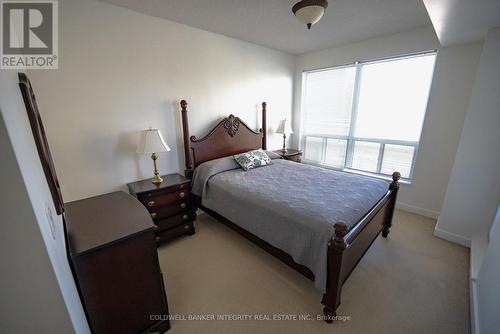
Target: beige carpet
pixel 411 282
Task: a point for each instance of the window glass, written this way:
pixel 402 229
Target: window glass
pixel 367 117
pixel 313 149
pixel 397 158
pixel 336 152
pixel 393 98
pixel 328 101
pixel 365 156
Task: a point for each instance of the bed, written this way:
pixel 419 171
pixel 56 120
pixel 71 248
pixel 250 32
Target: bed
pixel 321 224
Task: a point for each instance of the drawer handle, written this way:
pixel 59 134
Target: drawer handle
pixel 151 203
pixel 157 239
pixel 155 227
pixel 153 215
pixel 186 227
pixel 183 205
pixel 185 217
pixel 182 194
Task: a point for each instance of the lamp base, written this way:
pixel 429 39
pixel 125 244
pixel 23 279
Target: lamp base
pixel 156 179
pixel 284 146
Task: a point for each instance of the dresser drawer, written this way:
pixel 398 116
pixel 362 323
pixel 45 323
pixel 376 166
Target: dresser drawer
pixel 186 228
pixel 171 209
pixel 156 201
pixel 175 220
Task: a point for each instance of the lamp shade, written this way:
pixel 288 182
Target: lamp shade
pixel 284 127
pixel 152 142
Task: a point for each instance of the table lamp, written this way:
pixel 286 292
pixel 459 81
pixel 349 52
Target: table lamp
pixel 284 128
pixel 152 142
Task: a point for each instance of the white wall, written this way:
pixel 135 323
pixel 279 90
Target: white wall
pixel 448 101
pixel 121 71
pixel 488 285
pixel 473 192
pixel 38 293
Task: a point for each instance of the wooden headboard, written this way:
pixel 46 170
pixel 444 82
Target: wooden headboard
pixel 230 136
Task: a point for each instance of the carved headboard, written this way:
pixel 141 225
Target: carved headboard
pixel 230 136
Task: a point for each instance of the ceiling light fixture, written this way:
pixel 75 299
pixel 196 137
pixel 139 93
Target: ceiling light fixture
pixel 309 11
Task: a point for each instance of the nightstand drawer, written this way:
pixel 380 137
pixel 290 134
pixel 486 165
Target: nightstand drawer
pixel 290 154
pixel 179 219
pixel 171 209
pixel 186 228
pixel 296 158
pixel 156 201
pixel 169 203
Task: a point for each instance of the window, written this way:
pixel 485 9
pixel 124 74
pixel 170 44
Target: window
pixel 367 117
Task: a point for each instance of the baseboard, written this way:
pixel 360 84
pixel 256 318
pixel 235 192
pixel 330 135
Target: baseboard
pixel 419 211
pixel 458 239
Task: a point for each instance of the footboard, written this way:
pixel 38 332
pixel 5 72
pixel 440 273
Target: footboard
pixel 346 248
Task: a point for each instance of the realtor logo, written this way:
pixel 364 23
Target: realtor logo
pixel 29 34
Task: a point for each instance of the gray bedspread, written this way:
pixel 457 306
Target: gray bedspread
pixel 290 205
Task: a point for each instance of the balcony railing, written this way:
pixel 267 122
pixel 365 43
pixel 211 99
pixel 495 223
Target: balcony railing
pixel 379 157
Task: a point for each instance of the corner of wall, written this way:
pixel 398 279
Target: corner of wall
pixel 452 237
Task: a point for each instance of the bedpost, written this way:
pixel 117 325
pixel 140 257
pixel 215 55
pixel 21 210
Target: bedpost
pixel 264 126
pixel 336 247
pixel 395 181
pixel 394 187
pixel 187 147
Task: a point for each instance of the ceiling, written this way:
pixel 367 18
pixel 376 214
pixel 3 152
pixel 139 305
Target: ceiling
pixel 463 21
pixel 271 23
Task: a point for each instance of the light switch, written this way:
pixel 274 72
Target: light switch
pixel 50 219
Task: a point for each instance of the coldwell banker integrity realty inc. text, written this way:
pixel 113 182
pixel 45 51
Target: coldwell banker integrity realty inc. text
pixel 29 35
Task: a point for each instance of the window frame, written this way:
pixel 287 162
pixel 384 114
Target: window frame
pixel 350 138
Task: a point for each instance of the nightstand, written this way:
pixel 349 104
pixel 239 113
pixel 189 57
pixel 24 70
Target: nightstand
pixel 289 154
pixel 169 203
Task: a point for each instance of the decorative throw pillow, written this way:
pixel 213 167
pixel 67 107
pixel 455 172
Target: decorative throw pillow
pixel 253 159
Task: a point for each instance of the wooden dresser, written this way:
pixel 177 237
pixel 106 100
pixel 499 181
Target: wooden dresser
pixel 113 256
pixel 170 205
